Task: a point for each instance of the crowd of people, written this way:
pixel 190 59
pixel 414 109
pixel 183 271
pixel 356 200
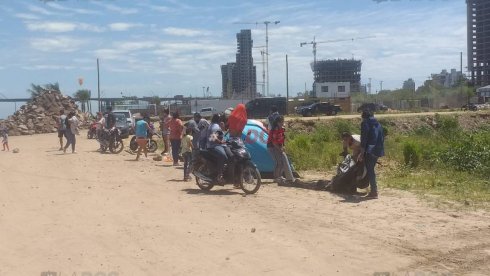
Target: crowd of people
pixel 183 141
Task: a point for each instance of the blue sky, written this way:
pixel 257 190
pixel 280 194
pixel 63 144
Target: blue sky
pixel 172 47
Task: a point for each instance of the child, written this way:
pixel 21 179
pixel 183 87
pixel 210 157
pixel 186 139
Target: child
pixel 187 153
pixel 5 137
pixel 276 149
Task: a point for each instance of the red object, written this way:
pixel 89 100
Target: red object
pixel 238 119
pixel 276 137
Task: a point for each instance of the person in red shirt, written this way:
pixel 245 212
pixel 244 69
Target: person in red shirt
pixel 176 129
pixel 275 146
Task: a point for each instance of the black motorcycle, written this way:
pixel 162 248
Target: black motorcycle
pixel 151 144
pixel 350 176
pixel 239 170
pixel 111 139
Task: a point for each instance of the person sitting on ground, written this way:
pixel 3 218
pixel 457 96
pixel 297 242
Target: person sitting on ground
pixel 352 142
pixel 4 131
pixel 275 146
pixel 141 132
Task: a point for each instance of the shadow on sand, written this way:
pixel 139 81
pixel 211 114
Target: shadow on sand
pixel 212 192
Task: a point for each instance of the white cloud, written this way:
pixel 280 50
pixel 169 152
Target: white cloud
pixel 121 26
pixel 26 16
pixel 62 27
pixel 79 11
pixel 114 8
pixel 185 32
pixel 56 44
pixel 39 10
pixel 51 27
pixel 48 67
pixel 160 8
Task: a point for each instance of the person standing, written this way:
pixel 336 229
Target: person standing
pixel 187 147
pixel 275 146
pixel 4 132
pixel 164 127
pixel 61 127
pixel 109 118
pixel 176 128
pixel 71 131
pixel 372 147
pixel 271 119
pixel 100 128
pixel 141 132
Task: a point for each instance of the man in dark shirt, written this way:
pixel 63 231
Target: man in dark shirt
pixel 110 119
pixel 372 147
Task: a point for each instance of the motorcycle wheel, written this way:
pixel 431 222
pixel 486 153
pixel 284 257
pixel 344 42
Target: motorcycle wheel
pixel 152 146
pixel 89 134
pixel 251 180
pixel 203 185
pixel 133 146
pixel 117 146
pixel 103 149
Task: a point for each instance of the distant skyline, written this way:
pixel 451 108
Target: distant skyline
pixel 172 47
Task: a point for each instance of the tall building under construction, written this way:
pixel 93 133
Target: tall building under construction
pixel 239 78
pixel 338 71
pixel 478 23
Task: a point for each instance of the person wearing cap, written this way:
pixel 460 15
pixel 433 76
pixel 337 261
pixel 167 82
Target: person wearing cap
pixel 372 147
pixel 352 142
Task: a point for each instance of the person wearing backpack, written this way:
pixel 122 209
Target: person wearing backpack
pixel 372 147
pixel 61 127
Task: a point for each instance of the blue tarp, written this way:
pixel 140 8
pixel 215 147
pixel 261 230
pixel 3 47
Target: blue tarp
pixel 256 144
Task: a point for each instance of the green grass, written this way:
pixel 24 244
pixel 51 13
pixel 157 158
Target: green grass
pixel 445 161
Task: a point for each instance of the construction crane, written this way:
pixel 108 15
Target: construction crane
pixel 266 23
pixel 314 43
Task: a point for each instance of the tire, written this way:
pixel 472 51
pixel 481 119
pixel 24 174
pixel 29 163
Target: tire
pixel 251 180
pixel 203 185
pixel 334 112
pixel 153 146
pixel 103 149
pixel 90 134
pixel 117 146
pixel 133 146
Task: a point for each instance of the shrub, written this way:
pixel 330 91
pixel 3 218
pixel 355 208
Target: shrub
pixel 411 154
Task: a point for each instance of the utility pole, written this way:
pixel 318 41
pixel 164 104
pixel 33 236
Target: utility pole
pixel 380 86
pixel 98 85
pixel 287 85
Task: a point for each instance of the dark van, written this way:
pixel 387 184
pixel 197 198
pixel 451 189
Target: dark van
pixel 260 107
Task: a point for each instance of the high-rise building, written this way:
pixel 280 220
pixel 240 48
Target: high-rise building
pixel 409 84
pixel 243 72
pixel 338 70
pixel 227 71
pixel 478 23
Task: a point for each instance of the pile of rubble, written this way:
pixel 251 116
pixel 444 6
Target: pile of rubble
pixel 41 114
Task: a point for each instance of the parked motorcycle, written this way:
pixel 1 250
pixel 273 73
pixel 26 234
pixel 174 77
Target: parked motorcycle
pixel 151 144
pixel 350 176
pixel 92 131
pixel 240 171
pixel 111 139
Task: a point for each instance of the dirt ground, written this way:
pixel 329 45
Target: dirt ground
pixel 103 213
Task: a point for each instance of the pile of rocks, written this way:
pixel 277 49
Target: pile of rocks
pixel 41 114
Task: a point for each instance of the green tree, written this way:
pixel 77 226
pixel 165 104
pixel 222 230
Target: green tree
pixel 37 90
pixel 83 96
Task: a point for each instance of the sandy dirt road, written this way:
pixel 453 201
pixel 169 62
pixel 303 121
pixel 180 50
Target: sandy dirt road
pixel 102 213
